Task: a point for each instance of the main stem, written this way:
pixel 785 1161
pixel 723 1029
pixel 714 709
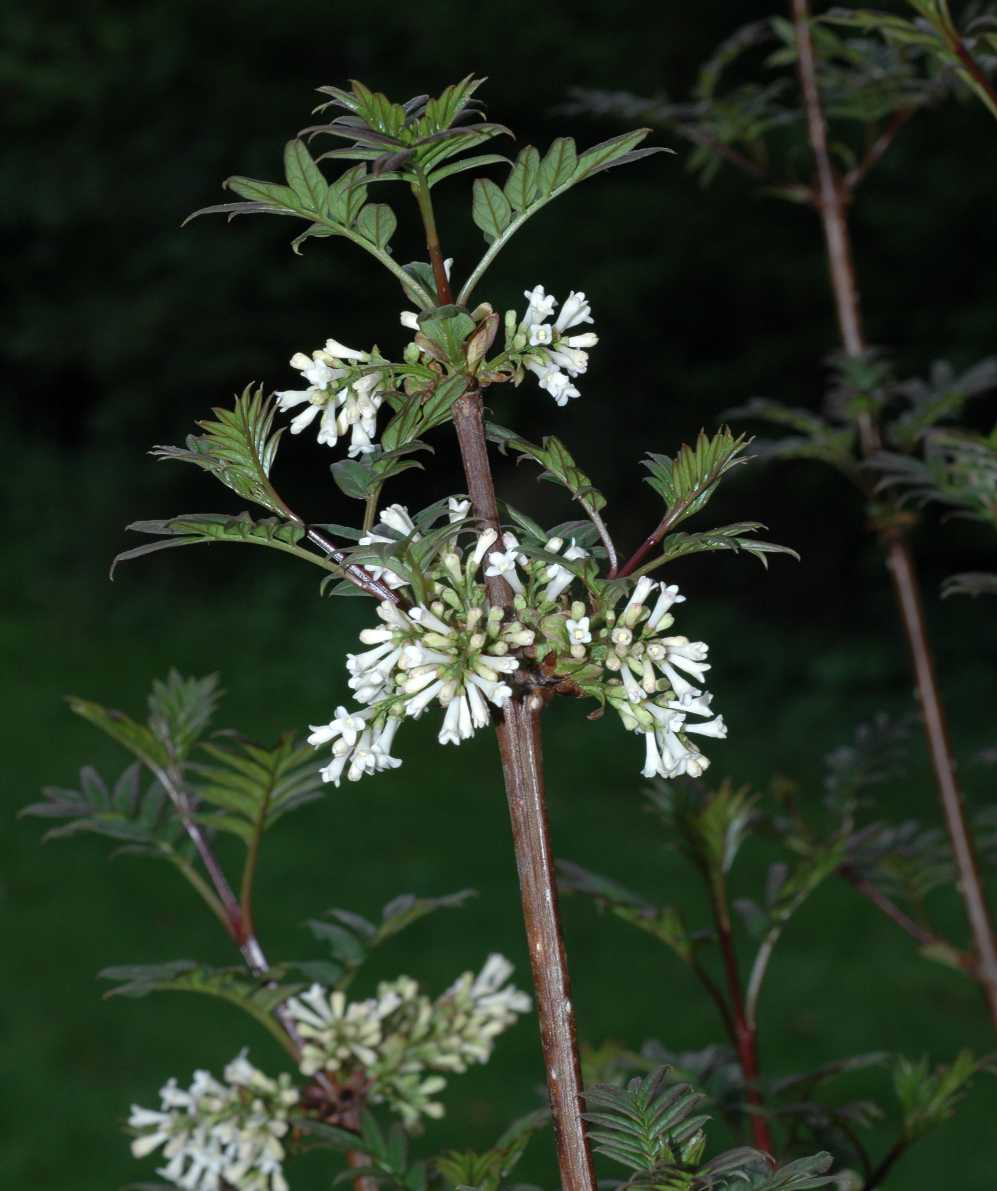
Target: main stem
pixel 522 768
pixel 831 207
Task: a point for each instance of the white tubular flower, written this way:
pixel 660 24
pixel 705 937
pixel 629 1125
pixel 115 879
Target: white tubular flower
pixel 543 347
pixel 503 563
pixel 454 650
pixel 578 631
pixel 559 577
pixel 399 1040
pixel 219 1131
pixel 339 351
pixel 347 396
pixel 457 509
pixel 410 320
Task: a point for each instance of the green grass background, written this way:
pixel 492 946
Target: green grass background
pixel 844 981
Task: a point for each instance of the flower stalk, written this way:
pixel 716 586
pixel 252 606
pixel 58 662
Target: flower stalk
pixel 829 200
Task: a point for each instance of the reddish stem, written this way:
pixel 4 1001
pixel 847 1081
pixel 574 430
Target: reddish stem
pixel 831 207
pixel 744 1035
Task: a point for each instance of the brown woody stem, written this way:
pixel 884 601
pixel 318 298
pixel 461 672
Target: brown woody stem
pixel 831 207
pixel 522 768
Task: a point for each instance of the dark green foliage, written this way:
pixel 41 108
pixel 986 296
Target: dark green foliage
pixel 257 997
pixel 140 819
pixel 198 529
pixel 389 1164
pixel 556 460
pixel 351 938
pixel 238 448
pixel 250 787
pixel 686 482
pixel 655 1128
pixel 486 1170
pixel 929 1097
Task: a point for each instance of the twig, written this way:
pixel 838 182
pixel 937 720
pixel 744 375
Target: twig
pixel 522 767
pixel 878 1176
pixel 603 531
pixel 745 1034
pixel 831 208
pixel 356 574
pixel 877 149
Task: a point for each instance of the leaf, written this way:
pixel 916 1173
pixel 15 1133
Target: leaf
pixel 193 529
pixel 258 998
pixel 490 209
pixel 649 1125
pixel 466 163
pixel 558 166
pixel 971 583
pixel 254 786
pixel 354 477
pixel 377 223
pixel 141 819
pixel 304 177
pixel 238 448
pixel 524 178
pixel 555 458
pixel 437 406
pixel 618 150
pixel 352 937
pixel 724 537
pixel 928 1097
pixel 687 481
pixel 180 710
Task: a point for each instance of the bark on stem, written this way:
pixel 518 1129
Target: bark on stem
pixel 831 206
pixel 522 768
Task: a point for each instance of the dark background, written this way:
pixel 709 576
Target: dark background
pixel 121 329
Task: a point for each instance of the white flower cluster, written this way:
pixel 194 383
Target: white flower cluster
pixel 544 348
pixel 347 395
pixel 453 650
pixel 653 695
pixel 399 1038
pixel 216 1134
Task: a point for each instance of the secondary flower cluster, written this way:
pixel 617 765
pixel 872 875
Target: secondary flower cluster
pixel 346 395
pixel 453 650
pixel 216 1134
pixel 400 1040
pixel 543 347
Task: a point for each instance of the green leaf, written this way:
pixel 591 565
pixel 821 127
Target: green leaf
pixel 466 163
pixel 194 529
pixel 258 998
pixel 524 179
pixel 238 448
pixel 618 150
pixel 254 786
pixel 141 819
pixel 377 223
pixel 354 477
pixel 724 537
pixel 558 167
pixel 929 1097
pixel 648 1126
pixel 180 710
pixel 446 327
pixel 404 426
pixel 304 177
pixel 347 195
pixel 273 193
pixel 437 406
pixel 490 209
pixel 687 481
pixel 559 466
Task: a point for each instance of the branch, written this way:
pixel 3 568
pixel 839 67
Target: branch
pixel 877 149
pixel 356 574
pixel 831 208
pixel 745 1034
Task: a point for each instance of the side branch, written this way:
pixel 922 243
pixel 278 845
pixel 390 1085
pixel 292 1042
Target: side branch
pixel 831 207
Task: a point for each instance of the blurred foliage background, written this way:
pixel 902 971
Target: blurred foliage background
pixel 121 329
